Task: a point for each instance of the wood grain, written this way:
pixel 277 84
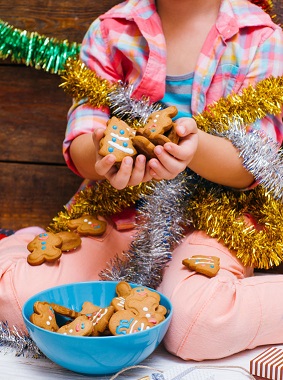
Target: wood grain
pixel 34 180
pixel 33 115
pixel 33 194
pixel 65 19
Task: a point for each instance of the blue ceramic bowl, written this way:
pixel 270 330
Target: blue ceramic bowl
pixel 93 355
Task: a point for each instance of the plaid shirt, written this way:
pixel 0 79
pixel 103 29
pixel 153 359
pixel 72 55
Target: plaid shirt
pixel 127 43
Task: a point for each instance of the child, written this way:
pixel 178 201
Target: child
pixel 189 54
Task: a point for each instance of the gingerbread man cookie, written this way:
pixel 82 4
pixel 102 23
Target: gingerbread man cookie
pixel 81 326
pixel 87 225
pixel 44 247
pixel 44 316
pixel 123 290
pixel 126 322
pixel 158 130
pixel 89 308
pixel 144 302
pixel 206 265
pixel 117 140
pixel 159 122
pixel 149 308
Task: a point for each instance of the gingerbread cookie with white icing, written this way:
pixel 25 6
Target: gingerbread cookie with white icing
pixel 125 322
pixel 87 225
pixel 144 302
pixel 117 140
pixel 123 290
pixel 100 320
pixel 159 122
pixel 44 316
pixel 158 130
pixel 206 265
pixel 81 326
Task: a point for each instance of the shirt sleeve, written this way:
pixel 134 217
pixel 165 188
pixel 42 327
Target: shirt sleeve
pixel 83 118
pixel 267 63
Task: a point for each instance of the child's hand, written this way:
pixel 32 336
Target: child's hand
pixel 173 158
pixel 130 172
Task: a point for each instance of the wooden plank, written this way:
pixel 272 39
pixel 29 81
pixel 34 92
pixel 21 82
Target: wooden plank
pixel 34 181
pixel 33 194
pixel 33 115
pixel 66 19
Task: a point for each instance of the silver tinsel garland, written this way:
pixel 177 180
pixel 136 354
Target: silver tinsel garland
pixel 161 219
pixel 12 337
pixel 124 106
pixel 261 156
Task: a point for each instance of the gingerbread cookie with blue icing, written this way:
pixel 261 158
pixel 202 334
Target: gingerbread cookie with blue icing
pixel 44 247
pixel 144 302
pixel 125 322
pixel 87 225
pixel 206 265
pixel 44 316
pixel 117 140
pixel 81 326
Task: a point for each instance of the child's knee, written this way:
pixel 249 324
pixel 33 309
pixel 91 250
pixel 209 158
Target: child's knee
pixel 209 318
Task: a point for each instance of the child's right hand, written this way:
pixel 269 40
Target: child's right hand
pixel 130 173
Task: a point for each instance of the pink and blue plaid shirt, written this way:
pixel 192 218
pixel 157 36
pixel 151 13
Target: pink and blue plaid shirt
pixel 127 43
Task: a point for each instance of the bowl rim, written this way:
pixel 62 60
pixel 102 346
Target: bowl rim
pixel 29 323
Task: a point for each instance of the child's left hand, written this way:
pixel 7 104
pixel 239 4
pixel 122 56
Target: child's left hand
pixel 173 158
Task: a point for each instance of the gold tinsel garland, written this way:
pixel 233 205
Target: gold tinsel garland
pixel 82 83
pixel 222 216
pixel 252 104
pixel 99 199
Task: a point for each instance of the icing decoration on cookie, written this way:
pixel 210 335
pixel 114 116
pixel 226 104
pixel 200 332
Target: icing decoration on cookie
pixel 125 322
pixel 44 316
pixel 206 265
pixel 100 320
pixel 123 290
pixel 149 307
pixel 158 130
pixel 44 247
pixel 159 122
pixel 87 225
pixel 117 140
pixel 81 326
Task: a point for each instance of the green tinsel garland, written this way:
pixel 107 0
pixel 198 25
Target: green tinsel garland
pixel 33 49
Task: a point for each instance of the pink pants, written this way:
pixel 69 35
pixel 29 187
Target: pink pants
pixel 213 317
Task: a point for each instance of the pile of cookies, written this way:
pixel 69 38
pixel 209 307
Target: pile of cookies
pixel 49 246
pixel 122 140
pixel 130 311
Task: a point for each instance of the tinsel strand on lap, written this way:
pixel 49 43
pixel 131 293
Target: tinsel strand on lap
pixel 223 214
pixel 99 199
pixel 161 220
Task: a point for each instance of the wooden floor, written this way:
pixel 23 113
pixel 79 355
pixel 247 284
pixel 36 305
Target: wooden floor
pixel 15 368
